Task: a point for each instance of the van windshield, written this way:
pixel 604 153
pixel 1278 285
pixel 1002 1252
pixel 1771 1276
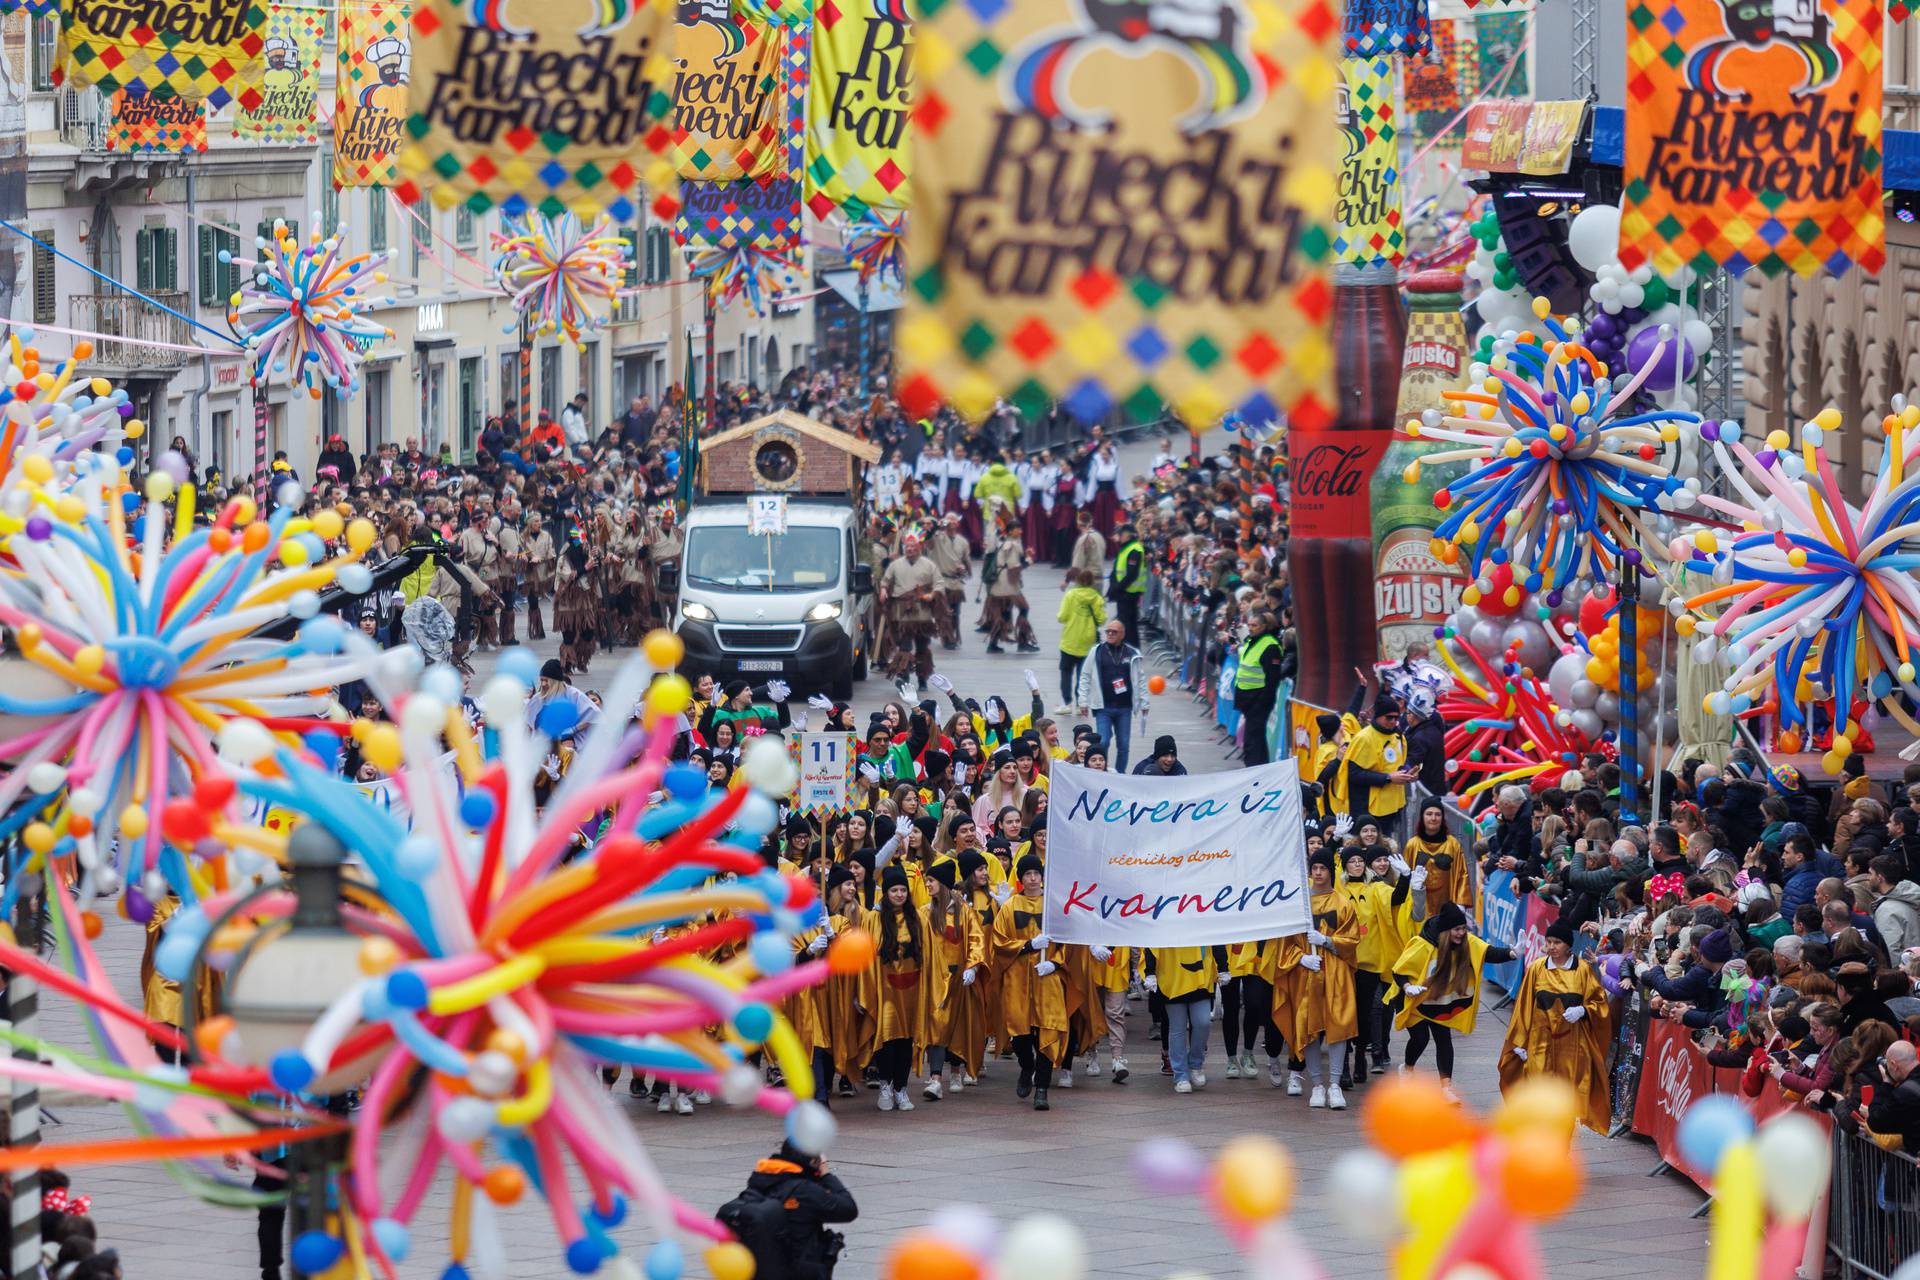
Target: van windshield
pixel 727 556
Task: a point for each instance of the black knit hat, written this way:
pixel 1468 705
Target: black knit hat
pixel 837 875
pixel 1448 917
pixel 971 861
pixel 946 872
pixel 1029 863
pixel 893 877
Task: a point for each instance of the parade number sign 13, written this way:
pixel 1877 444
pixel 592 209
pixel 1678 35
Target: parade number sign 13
pixel 547 105
pixel 1753 135
pixel 1123 205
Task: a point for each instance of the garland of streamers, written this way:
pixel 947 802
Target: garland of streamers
pixel 302 315
pixel 876 246
pixel 743 271
pixel 560 272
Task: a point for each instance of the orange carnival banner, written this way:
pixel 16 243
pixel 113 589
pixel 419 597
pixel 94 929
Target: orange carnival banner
pixel 149 122
pixel 1753 136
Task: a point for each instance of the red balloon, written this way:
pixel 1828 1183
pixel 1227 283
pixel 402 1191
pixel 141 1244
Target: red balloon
pixel 1593 613
pixel 1494 603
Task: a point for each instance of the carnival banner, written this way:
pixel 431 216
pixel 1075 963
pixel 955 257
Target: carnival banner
pixel 1175 862
pixel 761 213
pixel 1522 137
pixel 522 105
pixel 289 81
pixel 150 122
pixel 1433 81
pixel 1367 216
pixel 1502 38
pixel 727 99
pixel 859 98
pixel 1123 207
pixel 370 78
pixel 202 49
pixel 1382 28
pixel 1753 142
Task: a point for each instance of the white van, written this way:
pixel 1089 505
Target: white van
pixel 788 606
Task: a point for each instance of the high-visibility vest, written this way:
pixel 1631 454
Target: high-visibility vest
pixel 1139 584
pixel 1251 674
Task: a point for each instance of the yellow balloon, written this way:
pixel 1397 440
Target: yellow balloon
pixel 730 1261
pixel 1254 1178
pixel 327 523
pixel 1434 1193
pixel 664 649
pixel 360 535
pixel 1538 1104
pixel 669 696
pixel 382 748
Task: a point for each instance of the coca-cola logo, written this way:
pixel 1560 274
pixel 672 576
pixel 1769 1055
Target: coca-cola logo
pixel 1676 1081
pixel 1331 471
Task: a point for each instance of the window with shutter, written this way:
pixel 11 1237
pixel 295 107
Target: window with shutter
pixel 463 228
pixel 209 273
pixel 46 35
pixel 44 309
pixel 377 220
pixel 143 260
pixel 167 258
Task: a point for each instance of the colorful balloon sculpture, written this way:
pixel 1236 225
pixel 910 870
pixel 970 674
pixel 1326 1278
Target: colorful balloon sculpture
pixel 561 274
pixel 55 413
pixel 302 309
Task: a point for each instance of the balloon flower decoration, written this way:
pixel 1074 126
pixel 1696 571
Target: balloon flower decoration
pixel 877 247
pixel 1779 1172
pixel 560 273
pixel 502 951
pixel 302 309
pixel 1564 486
pixel 1817 597
pixel 1505 726
pixel 55 413
pixel 744 271
pixel 139 661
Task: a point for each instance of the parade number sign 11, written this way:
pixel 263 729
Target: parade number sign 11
pixel 826 765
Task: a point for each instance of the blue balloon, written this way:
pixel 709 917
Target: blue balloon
pixel 665 1261
pixel 406 990
pixel 684 781
pixel 1710 1126
pixel 557 719
pixel 521 663
pixel 393 1237
pixel 477 808
pixel 771 953
pixel 753 1022
pixel 316 1251
pixel 291 1071
pixel 615 1214
pixel 584 1257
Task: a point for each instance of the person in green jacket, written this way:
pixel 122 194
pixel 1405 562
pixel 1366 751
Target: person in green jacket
pixel 1000 482
pixel 1081 612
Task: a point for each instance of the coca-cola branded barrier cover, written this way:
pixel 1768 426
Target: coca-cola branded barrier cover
pixel 1674 1076
pixel 1331 472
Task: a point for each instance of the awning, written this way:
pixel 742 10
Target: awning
pixel 881 295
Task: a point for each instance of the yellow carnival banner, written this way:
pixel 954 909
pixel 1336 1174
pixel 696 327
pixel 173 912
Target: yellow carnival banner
pixel 518 103
pixel 859 100
pixel 727 99
pixel 1368 214
pixel 199 49
pixel 371 69
pixel 289 82
pixel 1123 211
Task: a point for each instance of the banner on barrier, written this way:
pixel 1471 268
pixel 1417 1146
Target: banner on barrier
pixel 1509 920
pixel 1175 862
pixel 1676 1074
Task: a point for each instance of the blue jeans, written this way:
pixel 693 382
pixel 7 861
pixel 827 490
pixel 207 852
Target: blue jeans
pixel 1187 1035
pixel 1116 734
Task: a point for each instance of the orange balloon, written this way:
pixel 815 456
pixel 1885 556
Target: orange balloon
pixel 504 1184
pixel 208 1034
pixel 1156 684
pixel 924 1257
pixel 1411 1117
pixel 851 952
pixel 1538 1175
pixel 90 924
pixel 1787 742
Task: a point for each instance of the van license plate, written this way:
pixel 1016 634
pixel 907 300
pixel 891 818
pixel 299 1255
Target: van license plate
pixel 761 664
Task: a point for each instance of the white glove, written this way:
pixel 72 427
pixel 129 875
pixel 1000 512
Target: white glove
pixel 1102 954
pixel 818 946
pixel 821 701
pixel 1044 968
pixel 1221 978
pixel 1399 864
pixel 1316 938
pixel 1033 681
pixel 967 976
pixel 1415 990
pixel 940 682
pixel 827 930
pixel 1039 942
pixel 1310 963
pixel 1575 1013
pixel 1002 891
pixel 1419 877
pixel 799 724
pixel 551 767
pixel 868 771
pixel 1520 1054
pixel 1343 824
pixel 1151 982
pixel 778 690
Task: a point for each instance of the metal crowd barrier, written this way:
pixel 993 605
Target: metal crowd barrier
pixel 1873 1208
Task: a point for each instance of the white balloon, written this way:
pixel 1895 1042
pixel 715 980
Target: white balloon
pixel 1698 335
pixel 964 1226
pixel 1593 236
pixel 1044 1246
pixel 1567 669
pixel 1607 707
pixel 1632 295
pixel 1360 1188
pixel 1588 724
pixel 767 767
pixel 1794 1155
pixel 811 1127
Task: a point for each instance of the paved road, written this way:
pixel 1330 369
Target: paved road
pixel 982 1146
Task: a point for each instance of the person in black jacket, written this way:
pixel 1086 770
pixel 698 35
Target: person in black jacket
pixel 791 1239
pixel 1698 989
pixel 1513 846
pixel 1896 1108
pixel 1426 742
pixel 1266 661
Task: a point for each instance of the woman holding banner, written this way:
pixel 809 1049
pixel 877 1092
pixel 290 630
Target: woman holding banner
pixel 1559 1028
pixel 1314 1004
pixel 1033 990
pixel 1439 976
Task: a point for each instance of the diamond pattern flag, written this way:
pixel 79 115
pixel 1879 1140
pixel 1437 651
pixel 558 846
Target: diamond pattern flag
pixel 148 122
pixel 1502 39
pixel 1433 80
pixel 762 212
pixel 1753 146
pixel 370 76
pixel 1379 28
pixel 1122 206
pixel 527 104
pixel 289 80
pixel 200 49
pixel 1367 221
pixel 860 98
pixel 727 118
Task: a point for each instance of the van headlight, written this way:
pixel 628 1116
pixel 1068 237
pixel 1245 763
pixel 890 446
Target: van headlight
pixel 695 610
pixel 825 611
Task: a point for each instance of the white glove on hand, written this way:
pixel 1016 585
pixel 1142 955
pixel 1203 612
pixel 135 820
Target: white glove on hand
pixel 1102 954
pixel 1001 892
pixel 1033 681
pixel 1151 982
pixel 1039 942
pixel 940 682
pixel 1316 938
pixel 1343 824
pixel 1310 963
pixel 822 701
pixel 1520 1054
pixel 818 946
pixel 1399 864
pixel 967 976
pixel 1415 990
pixel 1044 968
pixel 551 767
pixel 778 690
pixel 799 724
pixel 868 771
pixel 1575 1013
pixel 1419 877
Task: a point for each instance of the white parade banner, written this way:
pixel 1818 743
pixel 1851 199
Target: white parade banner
pixel 1136 860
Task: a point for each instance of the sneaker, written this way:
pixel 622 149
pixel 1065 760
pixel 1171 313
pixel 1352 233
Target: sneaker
pixel 1040 1100
pixel 1092 1068
pixel 1451 1095
pixel 1064 1079
pixel 683 1105
pixel 1318 1098
pixel 932 1090
pixel 1155 1034
pixel 1183 1086
pixel 956 1081
pixel 1120 1072
pixel 886 1097
pixel 1246 1066
pixel 635 1089
pixel 1025 1087
pixel 1233 1068
pixel 702 1097
pixel 1380 1064
pixel 1166 1068
pixel 1276 1074
pixel 846 1087
pixel 1199 1079
pixel 972 1081
pixel 1336 1100
pixel 1063 711
pixel 1029 648
pixel 901 1102
pixel 666 1104
pixel 1293 1084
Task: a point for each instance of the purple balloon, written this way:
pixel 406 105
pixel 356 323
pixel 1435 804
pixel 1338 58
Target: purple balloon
pixel 1669 365
pixel 1168 1166
pixel 1610 974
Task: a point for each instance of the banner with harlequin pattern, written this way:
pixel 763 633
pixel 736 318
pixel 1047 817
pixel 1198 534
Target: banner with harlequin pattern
pixel 1123 205
pixel 1381 28
pixel 727 118
pixel 372 66
pixel 1753 143
pixel 1433 79
pixel 151 123
pixel 859 100
pixel 528 104
pixel 762 212
pixel 201 49
pixel 289 80
pixel 1367 215
pixel 1502 38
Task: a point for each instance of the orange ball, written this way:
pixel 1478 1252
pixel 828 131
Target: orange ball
pixel 207 1035
pixel 1412 1116
pixel 1156 684
pixel 925 1257
pixel 254 537
pixel 1539 1176
pixel 850 953
pixel 90 924
pixel 1787 742
pixel 504 1184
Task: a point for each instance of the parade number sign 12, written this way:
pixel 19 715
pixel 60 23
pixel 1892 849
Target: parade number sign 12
pixel 1123 205
pixel 1753 136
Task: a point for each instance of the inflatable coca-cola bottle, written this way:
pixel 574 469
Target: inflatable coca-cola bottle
pixel 1330 543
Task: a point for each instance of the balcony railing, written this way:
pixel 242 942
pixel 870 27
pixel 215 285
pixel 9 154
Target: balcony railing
pixel 124 316
pixel 83 119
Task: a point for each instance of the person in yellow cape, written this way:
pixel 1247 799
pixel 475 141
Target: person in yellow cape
pixel 1327 751
pixel 1560 1028
pixel 836 1026
pixel 1313 987
pixel 1449 870
pixel 957 960
pixel 1373 774
pixel 1247 1008
pixel 984 895
pixel 1382 892
pixel 1086 1014
pixel 1439 979
pixel 902 979
pixel 1033 991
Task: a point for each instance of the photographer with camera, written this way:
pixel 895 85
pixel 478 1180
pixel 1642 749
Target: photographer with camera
pixel 783 1214
pixel 1895 1109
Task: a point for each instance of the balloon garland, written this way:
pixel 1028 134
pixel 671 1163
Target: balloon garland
pixel 302 309
pixel 561 273
pixel 744 271
pixel 877 247
pixel 57 414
